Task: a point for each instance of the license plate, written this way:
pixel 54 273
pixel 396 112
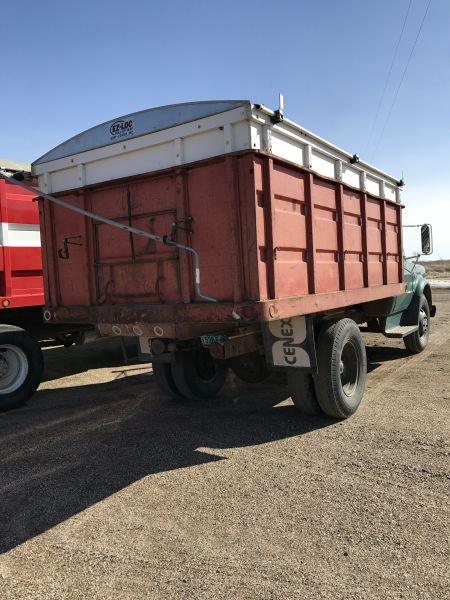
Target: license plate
pixel 207 340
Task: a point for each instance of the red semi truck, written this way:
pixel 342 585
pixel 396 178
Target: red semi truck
pixel 222 234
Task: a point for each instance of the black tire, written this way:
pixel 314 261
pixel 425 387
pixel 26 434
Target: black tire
pixel 21 366
pixel 197 374
pixel 164 379
pixel 342 369
pixel 302 391
pixel 251 367
pixel 417 342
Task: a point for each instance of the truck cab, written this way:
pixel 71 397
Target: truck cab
pixel 409 313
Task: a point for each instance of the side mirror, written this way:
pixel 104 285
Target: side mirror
pixel 427 239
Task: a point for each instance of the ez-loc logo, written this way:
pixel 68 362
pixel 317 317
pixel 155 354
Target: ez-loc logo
pixel 121 128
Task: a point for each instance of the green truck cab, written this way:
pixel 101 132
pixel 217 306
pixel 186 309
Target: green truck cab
pixel 408 315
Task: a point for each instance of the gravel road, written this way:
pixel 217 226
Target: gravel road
pixel 108 490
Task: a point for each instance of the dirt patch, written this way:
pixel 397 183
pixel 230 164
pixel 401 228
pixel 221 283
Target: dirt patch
pixel 437 269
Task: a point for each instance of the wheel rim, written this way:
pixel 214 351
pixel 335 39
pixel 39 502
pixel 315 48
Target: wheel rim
pixel 197 375
pixel 423 323
pixel 205 366
pixel 349 368
pixel 13 368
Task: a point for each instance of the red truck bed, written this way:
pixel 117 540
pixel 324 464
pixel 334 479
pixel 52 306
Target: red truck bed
pixel 274 240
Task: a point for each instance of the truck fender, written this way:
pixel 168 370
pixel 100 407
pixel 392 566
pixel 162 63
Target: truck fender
pixel 426 291
pixel 422 289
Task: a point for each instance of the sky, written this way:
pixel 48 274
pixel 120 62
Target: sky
pixel 66 66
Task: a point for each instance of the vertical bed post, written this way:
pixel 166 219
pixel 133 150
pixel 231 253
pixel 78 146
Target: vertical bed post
pixel 365 247
pixel 383 241
pixel 340 231
pixel 269 213
pixel 310 233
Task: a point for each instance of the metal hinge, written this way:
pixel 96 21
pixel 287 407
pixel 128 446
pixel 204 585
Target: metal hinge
pixel 278 114
pixel 64 251
pixel 185 226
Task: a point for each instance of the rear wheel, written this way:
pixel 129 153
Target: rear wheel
pixel 164 378
pixel 417 341
pixel 342 369
pixel 250 367
pixel 302 391
pixel 21 366
pixel 197 374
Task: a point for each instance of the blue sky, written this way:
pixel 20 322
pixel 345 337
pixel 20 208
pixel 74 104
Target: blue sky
pixel 69 65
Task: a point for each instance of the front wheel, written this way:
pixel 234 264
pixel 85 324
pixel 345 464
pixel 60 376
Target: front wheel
pixel 21 366
pixel 417 342
pixel 342 369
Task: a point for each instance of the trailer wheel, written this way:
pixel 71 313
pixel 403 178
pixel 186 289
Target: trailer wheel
pixel 164 379
pixel 417 341
pixel 302 391
pixel 21 365
pixel 198 375
pixel 342 369
pixel 251 367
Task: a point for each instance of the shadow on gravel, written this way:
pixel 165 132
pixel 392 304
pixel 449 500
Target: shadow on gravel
pixel 377 355
pixel 72 447
pixel 60 362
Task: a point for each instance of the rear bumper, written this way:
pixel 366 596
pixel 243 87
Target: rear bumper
pixel 178 320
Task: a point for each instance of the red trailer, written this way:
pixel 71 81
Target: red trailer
pixel 21 281
pixel 21 290
pixel 238 239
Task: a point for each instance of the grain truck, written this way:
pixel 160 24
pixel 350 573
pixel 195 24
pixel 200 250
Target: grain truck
pixel 225 236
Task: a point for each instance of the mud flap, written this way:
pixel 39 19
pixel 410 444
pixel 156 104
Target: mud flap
pixel 289 344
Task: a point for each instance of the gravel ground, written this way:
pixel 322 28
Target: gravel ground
pixel 110 490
